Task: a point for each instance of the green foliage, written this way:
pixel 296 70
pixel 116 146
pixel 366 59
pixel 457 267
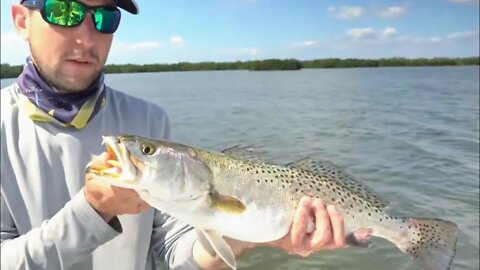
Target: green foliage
pixel 271 64
pixel 8 71
pixel 274 64
pixel 390 62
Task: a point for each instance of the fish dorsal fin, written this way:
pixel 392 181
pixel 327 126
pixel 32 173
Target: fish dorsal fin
pixel 333 172
pixel 249 152
pixel 220 246
pixel 226 204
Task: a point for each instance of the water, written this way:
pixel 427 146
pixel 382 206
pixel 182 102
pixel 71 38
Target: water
pixel 412 134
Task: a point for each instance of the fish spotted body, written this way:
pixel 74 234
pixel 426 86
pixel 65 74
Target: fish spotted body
pixel 237 195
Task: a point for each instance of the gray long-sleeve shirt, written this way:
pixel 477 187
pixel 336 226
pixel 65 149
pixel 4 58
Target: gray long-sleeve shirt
pixel 46 222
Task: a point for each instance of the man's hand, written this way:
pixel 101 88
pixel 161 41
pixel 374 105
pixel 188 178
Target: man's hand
pixel 328 233
pixel 110 201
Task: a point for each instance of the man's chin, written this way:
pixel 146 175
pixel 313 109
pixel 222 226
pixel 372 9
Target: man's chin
pixel 72 85
pixel 74 82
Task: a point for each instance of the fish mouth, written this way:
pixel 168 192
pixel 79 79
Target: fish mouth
pixel 118 165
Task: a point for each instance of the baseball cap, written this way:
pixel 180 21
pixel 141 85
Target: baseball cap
pixel 127 5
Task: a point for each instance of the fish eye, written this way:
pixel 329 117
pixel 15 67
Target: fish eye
pixel 147 149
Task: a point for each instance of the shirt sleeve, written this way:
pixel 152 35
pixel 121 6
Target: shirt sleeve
pixel 68 237
pixel 172 244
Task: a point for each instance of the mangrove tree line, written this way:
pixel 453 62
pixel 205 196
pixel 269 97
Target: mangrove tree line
pixel 8 71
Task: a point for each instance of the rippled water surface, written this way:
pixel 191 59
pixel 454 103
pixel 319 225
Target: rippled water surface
pixel 412 134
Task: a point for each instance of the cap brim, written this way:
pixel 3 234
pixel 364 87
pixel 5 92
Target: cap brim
pixel 128 5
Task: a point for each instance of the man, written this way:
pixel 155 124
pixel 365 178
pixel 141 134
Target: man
pixel 52 121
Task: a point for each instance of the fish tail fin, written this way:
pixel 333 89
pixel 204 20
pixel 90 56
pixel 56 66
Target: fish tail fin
pixel 430 242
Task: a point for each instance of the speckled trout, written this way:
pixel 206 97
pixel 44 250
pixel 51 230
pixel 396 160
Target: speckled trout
pixel 234 193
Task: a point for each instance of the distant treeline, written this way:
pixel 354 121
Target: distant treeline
pixel 8 71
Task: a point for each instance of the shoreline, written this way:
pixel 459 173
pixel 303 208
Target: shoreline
pixel 8 71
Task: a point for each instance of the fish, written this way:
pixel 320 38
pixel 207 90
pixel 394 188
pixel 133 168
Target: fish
pixel 240 194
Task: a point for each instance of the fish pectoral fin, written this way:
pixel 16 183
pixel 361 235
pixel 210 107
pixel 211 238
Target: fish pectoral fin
pixel 204 242
pixel 149 199
pixel 221 247
pixel 226 204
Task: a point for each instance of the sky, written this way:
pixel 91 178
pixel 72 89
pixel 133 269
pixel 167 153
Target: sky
pixel 172 31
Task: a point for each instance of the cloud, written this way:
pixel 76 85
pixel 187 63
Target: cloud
pixel 372 34
pixel 177 41
pixel 354 12
pixel 435 39
pixel 389 35
pixel 142 46
pixel 14 50
pixel 466 35
pixel 393 12
pixel 137 46
pixel 362 33
pixel 249 51
pixel 145 45
pixel 371 42
pixel 305 44
pixel 389 32
pixel 346 12
pixel 417 40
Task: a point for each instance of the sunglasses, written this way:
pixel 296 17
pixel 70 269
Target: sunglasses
pixel 70 13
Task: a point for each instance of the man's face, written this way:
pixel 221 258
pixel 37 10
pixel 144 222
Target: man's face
pixel 69 59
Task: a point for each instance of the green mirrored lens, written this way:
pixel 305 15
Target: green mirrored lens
pixel 71 13
pixel 106 19
pixel 64 13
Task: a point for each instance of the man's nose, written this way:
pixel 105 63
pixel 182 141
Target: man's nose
pixel 86 31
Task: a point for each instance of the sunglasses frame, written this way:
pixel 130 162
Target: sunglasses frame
pixel 41 6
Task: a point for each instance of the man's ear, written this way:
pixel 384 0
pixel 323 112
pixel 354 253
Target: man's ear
pixel 21 17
